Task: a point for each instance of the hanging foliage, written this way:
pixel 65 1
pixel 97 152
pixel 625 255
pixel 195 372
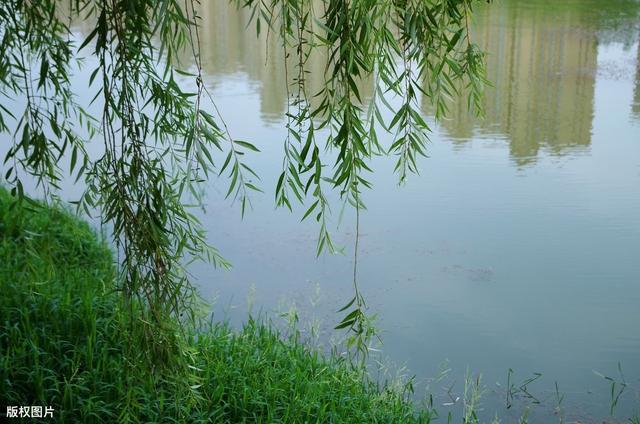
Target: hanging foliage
pixel 159 143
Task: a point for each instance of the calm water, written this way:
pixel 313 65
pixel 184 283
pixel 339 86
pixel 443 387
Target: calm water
pixel 517 247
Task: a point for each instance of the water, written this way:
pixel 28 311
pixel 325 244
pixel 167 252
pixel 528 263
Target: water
pixel 517 247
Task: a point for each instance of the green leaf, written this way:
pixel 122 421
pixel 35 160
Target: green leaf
pixel 74 157
pixel 90 37
pixel 44 69
pixel 252 187
pixel 226 162
pixel 207 117
pixel 279 184
pixel 311 208
pixel 344 324
pixel 345 307
pixel 247 145
pixel 454 40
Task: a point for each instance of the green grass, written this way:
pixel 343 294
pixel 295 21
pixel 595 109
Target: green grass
pixel 68 341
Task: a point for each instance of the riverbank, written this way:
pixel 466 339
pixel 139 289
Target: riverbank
pixel 66 342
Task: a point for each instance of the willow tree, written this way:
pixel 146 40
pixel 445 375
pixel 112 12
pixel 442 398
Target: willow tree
pixel 160 142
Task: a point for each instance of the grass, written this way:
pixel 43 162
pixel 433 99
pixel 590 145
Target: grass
pixel 68 341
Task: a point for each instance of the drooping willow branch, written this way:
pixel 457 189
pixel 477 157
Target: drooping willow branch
pixel 160 142
pixel 410 48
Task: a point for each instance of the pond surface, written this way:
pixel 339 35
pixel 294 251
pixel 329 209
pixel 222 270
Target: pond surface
pixel 518 245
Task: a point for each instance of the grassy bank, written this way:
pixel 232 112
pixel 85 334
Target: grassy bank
pixel 67 341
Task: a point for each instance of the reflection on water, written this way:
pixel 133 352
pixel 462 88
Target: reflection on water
pixel 544 82
pixel 231 45
pixel 542 60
